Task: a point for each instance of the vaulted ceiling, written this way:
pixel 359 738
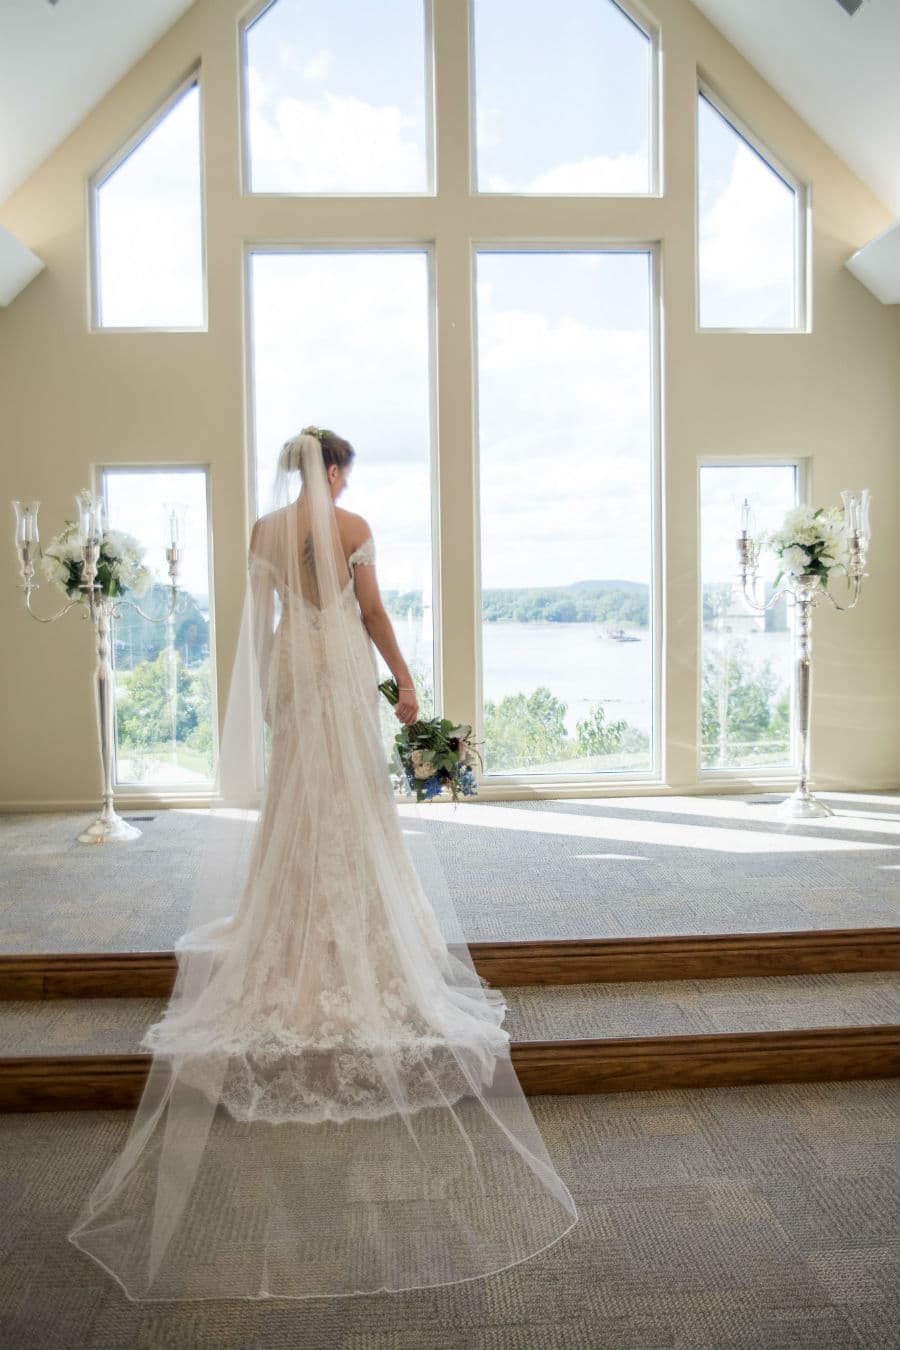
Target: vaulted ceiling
pixel 59 57
pixel 841 73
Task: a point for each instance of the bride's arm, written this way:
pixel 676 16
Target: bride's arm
pixel 381 631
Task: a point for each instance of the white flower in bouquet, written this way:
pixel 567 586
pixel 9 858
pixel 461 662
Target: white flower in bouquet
pixel 422 767
pixel 795 559
pixel 119 563
pixel 811 542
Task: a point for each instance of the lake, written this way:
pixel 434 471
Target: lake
pixel 581 668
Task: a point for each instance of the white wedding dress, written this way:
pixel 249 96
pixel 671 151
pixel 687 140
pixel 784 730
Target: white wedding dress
pixel 331 1106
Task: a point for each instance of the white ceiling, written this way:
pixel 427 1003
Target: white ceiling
pixel 56 63
pixel 841 74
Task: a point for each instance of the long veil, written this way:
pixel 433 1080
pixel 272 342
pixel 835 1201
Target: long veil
pixel 330 1107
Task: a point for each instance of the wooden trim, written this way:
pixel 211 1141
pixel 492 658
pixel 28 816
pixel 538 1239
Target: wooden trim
pixel 627 1064
pixel 553 961
pixel 652 1063
pixel 701 956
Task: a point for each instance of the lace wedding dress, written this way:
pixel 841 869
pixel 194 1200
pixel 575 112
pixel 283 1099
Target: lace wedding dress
pixel 331 1107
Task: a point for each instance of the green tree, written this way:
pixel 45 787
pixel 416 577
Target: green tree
pixel 596 736
pixel 742 709
pixel 526 729
pixel 200 698
pixel 145 716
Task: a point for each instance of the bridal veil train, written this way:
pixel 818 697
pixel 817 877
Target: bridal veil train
pixel 330 1107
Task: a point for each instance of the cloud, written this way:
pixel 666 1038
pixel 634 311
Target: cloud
pixel 626 173
pixel 335 144
pixel 746 260
pixel 149 228
pixel 318 66
pixel 565 436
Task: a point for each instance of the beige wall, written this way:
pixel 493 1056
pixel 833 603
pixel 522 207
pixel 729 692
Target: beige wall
pixel 71 398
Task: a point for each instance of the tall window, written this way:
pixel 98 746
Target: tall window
pixel 746 664
pixel 148 227
pixel 337 97
pixel 749 232
pixel 343 340
pixel 563 98
pixel 566 449
pixel 164 694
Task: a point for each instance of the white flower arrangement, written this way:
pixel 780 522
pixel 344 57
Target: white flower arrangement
pixel 120 568
pixel 811 543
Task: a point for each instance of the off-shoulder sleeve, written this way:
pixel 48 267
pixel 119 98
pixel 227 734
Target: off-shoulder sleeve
pixel 364 554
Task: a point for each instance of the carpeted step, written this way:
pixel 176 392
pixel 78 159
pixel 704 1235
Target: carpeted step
pixel 536 1012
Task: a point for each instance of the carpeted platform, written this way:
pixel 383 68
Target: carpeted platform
pixel 618 867
pixel 756 1218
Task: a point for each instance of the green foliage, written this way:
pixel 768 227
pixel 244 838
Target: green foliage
pixel 526 729
pixel 752 705
pixel 567 604
pixel 165 701
pixel 596 736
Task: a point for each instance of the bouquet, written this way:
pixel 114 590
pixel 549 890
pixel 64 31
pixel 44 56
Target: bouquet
pixel 434 754
pixel 810 543
pixel 119 563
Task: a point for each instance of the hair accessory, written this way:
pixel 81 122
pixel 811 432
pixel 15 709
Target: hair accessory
pixel 318 432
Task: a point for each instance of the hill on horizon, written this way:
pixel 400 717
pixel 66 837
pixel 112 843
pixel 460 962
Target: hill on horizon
pixel 600 586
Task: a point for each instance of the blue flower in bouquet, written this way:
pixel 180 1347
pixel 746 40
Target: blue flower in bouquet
pixel 431 788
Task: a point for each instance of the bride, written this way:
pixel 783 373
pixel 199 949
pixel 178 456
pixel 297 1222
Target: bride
pixel 331 1107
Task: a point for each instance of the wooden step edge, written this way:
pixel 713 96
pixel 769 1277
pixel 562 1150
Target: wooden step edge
pixel 547 961
pixel 625 1064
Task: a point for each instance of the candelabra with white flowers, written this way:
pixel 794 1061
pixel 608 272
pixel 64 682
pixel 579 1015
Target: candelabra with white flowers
pixel 96 568
pixel 813 546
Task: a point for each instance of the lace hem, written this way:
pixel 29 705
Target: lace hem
pixel 275 1079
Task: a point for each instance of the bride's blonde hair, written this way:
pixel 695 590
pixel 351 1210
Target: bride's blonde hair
pixel 335 450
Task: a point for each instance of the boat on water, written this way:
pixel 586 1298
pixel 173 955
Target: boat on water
pixel 617 635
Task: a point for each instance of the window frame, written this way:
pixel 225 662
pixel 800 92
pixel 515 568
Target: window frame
pixel 192 792
pixel 802 218
pixel 305 246
pixel 245 23
pixel 656 774
pixel 649 28
pixel 107 169
pixel 734 773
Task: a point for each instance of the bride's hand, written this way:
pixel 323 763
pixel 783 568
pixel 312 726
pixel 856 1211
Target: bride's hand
pixel 407 707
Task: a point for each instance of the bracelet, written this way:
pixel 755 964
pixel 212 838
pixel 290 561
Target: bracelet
pixel 405 689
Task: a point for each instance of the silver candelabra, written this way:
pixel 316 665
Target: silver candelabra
pixel 806 591
pixel 101 609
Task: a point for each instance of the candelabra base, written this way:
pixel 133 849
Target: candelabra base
pixel 109 828
pixel 802 805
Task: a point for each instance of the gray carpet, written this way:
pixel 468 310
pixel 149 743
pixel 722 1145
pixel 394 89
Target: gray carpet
pixel 758 1218
pixel 617 867
pixel 566 1012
